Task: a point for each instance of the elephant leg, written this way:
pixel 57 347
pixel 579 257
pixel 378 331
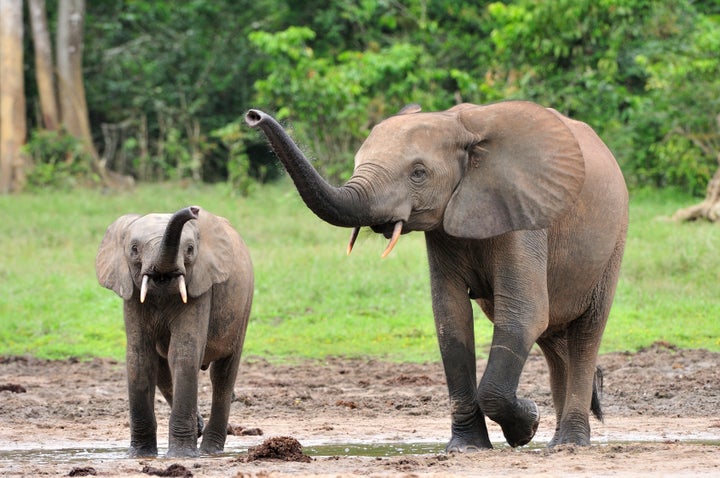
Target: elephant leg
pixel 184 362
pixel 584 337
pixel 454 326
pixel 166 388
pixel 518 417
pixel 141 362
pixel 573 425
pixel 222 374
pixel 521 315
pixel 554 349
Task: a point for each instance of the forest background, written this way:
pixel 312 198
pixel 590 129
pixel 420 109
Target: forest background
pixel 167 82
pixel 164 86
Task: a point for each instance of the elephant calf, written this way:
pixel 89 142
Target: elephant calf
pixel 187 281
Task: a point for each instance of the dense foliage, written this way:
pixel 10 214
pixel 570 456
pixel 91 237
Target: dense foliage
pixel 168 82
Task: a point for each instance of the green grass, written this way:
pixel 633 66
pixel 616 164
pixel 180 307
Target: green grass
pixel 311 300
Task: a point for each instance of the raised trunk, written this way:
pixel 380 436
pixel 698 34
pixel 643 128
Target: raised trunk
pixel 168 252
pixel 344 206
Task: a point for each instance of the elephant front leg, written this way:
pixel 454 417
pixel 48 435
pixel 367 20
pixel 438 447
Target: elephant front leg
pixel 454 327
pixel 518 417
pixel 183 425
pixel 469 431
pixel 141 375
pixel 520 315
pixel 222 374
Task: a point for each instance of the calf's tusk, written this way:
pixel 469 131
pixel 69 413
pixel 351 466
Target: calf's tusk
pixel 353 237
pixel 143 288
pixel 394 239
pixel 183 289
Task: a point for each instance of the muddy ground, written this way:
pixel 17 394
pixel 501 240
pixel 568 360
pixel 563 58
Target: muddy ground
pixel 662 409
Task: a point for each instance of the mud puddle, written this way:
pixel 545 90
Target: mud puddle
pixel 85 455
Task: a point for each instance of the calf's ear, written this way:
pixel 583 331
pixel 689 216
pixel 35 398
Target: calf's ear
pixel 111 265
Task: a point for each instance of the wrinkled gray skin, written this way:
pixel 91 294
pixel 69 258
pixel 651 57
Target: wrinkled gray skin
pixel 170 340
pixel 524 211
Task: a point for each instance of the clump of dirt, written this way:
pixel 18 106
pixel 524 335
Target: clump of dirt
pixel 278 448
pixel 12 387
pixel 83 471
pixel 345 403
pixel 238 430
pixel 172 470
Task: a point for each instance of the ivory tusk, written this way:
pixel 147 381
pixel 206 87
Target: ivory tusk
pixel 394 239
pixel 353 237
pixel 143 288
pixel 183 289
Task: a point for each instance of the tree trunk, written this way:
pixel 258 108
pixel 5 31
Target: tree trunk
pixel 13 129
pixel 709 208
pixel 44 73
pixel 69 44
pixel 73 106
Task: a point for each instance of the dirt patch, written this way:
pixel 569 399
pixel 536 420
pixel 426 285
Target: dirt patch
pixel 662 417
pixel 172 470
pixel 278 448
pixel 12 387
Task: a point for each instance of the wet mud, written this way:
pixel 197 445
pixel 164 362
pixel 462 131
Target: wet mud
pixel 343 417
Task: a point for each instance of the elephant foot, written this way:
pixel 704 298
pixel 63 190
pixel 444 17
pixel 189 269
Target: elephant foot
pixel 182 452
pixel 142 451
pixel 523 424
pixel 458 445
pixel 469 437
pixel 211 449
pixel 579 436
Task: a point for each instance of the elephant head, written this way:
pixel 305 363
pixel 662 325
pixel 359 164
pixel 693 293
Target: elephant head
pixel 475 171
pixel 159 255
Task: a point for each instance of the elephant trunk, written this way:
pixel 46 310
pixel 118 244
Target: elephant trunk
pixel 340 206
pixel 165 267
pixel 168 252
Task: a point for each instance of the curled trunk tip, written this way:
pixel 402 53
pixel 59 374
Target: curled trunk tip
pixel 253 118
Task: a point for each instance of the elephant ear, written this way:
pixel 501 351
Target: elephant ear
pixel 111 266
pixel 410 109
pixel 524 170
pixel 216 253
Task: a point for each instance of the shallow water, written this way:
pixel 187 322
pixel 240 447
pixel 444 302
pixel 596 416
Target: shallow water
pixel 78 456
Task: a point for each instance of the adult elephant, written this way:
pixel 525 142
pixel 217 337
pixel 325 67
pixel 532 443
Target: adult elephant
pixel 524 211
pixel 187 282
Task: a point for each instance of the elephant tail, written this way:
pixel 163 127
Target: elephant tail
pixel 595 406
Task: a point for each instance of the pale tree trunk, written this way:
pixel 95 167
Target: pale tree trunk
pixel 12 97
pixel 709 208
pixel 73 106
pixel 44 64
pixel 69 45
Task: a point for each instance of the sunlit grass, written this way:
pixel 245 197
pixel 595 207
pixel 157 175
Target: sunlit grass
pixel 311 300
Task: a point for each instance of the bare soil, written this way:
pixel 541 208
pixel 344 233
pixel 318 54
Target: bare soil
pixel 662 418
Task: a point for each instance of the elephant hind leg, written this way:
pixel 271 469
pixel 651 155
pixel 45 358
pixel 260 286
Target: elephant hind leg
pixel 555 351
pixel 584 378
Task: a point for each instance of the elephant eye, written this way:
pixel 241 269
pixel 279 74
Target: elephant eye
pixel 190 249
pixel 134 249
pixel 418 174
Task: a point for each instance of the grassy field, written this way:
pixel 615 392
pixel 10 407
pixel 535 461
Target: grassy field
pixel 311 300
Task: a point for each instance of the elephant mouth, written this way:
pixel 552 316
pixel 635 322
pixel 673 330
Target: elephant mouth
pixel 163 280
pixel 390 230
